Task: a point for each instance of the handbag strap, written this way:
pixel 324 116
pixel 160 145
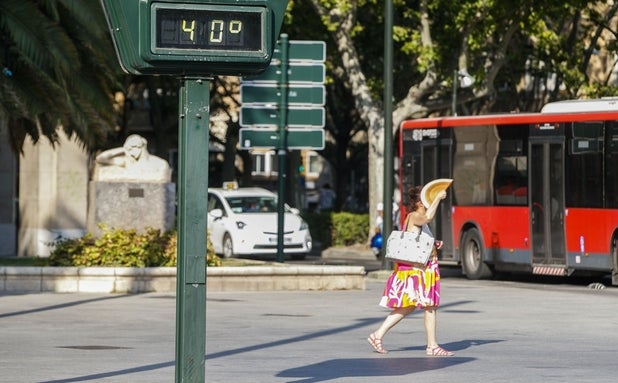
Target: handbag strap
pixel 405 228
pixel 418 236
pixel 405 224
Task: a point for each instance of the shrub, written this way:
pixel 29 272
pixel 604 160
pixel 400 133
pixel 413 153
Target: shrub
pixel 349 229
pixel 122 248
pixel 338 229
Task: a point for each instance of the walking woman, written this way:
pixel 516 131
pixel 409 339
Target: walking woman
pixel 413 286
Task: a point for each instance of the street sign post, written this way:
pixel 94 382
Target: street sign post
pixel 278 101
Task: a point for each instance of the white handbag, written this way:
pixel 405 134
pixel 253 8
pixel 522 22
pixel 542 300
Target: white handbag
pixel 410 247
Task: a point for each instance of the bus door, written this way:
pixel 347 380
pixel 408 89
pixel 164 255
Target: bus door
pixel 547 202
pixel 437 163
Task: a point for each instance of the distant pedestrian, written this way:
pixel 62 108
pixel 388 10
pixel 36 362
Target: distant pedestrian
pixel 327 198
pixel 414 286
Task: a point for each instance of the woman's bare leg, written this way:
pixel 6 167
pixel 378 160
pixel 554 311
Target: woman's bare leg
pixel 433 348
pixel 430 327
pixel 392 319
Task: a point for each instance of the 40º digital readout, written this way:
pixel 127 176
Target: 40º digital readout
pixel 208 29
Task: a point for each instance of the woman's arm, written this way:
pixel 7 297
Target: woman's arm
pixel 431 211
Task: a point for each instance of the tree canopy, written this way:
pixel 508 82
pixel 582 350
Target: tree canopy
pixel 521 55
pixel 58 69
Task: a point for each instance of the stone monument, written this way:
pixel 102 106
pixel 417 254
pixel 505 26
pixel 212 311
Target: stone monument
pixel 131 189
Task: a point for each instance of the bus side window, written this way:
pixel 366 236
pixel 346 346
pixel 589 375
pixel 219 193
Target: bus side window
pixel 611 166
pixel 583 175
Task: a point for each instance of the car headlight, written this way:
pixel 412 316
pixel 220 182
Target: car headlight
pixel 240 224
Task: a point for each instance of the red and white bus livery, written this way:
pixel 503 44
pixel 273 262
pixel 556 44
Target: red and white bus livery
pixel 532 192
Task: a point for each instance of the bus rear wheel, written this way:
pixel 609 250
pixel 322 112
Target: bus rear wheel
pixel 473 255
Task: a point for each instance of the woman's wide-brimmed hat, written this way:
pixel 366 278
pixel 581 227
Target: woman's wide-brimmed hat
pixel 431 190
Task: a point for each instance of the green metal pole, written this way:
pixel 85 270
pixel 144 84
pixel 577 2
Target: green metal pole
pixel 282 145
pixel 193 123
pixel 387 225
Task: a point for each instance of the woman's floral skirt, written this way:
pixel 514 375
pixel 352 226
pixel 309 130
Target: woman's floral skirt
pixel 411 286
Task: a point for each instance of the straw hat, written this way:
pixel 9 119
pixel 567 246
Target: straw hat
pixel 431 190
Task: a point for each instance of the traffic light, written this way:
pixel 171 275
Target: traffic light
pixel 194 37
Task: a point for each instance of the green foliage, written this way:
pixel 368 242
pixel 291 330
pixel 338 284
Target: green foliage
pixel 122 248
pixel 349 229
pixel 338 229
pixel 563 43
pixel 63 50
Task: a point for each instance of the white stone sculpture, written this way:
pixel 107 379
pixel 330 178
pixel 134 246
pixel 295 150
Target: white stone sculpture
pixel 131 163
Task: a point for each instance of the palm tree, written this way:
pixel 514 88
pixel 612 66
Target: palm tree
pixel 58 69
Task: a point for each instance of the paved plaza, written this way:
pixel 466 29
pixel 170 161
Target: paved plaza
pixel 499 331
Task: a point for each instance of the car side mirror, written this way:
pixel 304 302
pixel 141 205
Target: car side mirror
pixel 216 213
pixel 295 210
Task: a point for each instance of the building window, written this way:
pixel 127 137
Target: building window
pixel 264 163
pixel 313 165
pixel 259 163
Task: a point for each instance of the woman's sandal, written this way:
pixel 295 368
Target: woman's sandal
pixel 376 344
pixel 438 351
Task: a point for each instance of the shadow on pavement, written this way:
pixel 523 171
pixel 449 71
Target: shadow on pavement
pixel 368 367
pixel 63 305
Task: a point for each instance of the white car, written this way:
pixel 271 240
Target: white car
pixel 243 221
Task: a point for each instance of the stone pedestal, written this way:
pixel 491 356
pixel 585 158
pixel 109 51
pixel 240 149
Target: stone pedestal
pixel 131 205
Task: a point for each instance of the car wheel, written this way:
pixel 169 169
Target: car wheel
pixel 228 246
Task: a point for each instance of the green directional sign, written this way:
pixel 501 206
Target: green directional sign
pixel 269 138
pixel 270 94
pixel 298 117
pixel 297 73
pixel 301 50
pixel 258 138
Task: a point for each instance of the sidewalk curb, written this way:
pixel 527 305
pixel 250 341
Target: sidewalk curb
pixel 163 279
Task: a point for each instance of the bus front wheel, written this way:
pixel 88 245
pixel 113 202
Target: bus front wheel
pixel 473 255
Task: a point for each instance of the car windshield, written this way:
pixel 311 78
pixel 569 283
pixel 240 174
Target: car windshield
pixel 253 204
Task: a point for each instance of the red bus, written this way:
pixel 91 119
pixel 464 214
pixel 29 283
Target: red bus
pixel 534 193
